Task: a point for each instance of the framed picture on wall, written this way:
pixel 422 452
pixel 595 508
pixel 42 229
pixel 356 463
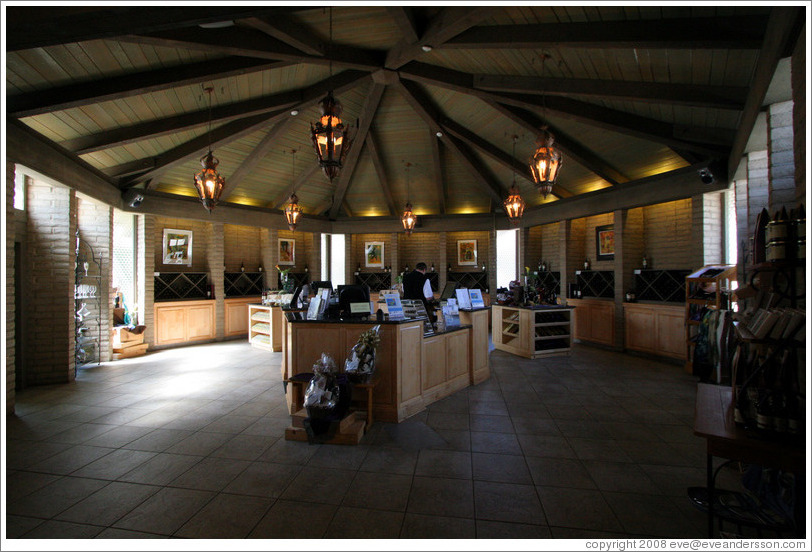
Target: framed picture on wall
pixel 287 251
pixel 177 247
pixel 466 252
pixel 605 242
pixel 373 254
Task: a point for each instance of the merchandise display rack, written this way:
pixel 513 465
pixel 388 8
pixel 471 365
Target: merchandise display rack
pixel 87 304
pixel 706 288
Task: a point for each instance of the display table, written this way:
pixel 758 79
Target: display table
pixel 413 371
pixel 715 423
pixel 533 332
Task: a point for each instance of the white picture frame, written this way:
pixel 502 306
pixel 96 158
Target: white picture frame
pixel 177 247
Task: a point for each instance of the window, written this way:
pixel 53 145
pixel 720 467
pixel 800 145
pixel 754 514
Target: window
pixel 506 241
pixel 731 236
pixel 124 255
pixel 19 188
pixel 332 258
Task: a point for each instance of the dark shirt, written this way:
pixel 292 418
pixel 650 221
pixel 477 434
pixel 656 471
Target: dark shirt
pixel 413 283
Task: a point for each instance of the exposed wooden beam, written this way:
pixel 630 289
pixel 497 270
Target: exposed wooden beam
pixel 440 186
pixel 38 27
pixel 569 147
pixel 474 141
pixel 255 157
pixel 737 32
pixel 224 113
pixel 447 24
pixel 782 30
pixel 380 170
pixel 423 107
pixel 303 177
pixel 373 99
pixel 135 84
pixel 288 31
pixel 404 18
pixel 718 97
pixel 252 43
pixel 591 114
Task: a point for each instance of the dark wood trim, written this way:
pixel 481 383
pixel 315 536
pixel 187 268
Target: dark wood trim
pixel 717 97
pixel 373 99
pixel 404 18
pixel 737 32
pixel 440 184
pixel 380 170
pixel 135 84
pixel 283 28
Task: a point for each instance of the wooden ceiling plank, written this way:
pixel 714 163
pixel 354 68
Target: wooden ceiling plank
pixel 125 86
pixel 718 97
pixel 285 29
pixel 735 32
pixel 380 170
pixel 303 177
pixel 371 103
pixel 782 30
pixel 66 25
pixel 404 18
pixel 441 187
pixel 219 114
pixel 450 22
pixel 256 156
pixel 252 43
pixel 423 107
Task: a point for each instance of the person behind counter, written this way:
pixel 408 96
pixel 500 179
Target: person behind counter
pixel 416 285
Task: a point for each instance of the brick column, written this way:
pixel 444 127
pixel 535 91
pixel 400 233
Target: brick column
pixel 145 243
pixel 51 244
pixel 742 228
pixel 394 256
pixel 10 290
pixel 491 266
pixel 267 259
pixel 215 260
pixel 623 280
pixel 707 229
pixel 314 259
pixel 442 244
pixel 799 117
pixel 782 157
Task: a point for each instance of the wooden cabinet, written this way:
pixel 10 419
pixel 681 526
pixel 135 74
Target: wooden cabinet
pixel 594 320
pixel 236 315
pixel 655 329
pixel 479 320
pixel 179 322
pixel 532 333
pixel 265 326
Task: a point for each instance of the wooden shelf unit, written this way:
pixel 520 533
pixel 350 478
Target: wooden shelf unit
pixel 265 327
pixel 532 333
pixel 717 278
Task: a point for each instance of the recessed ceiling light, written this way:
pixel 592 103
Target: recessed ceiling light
pixel 426 47
pixel 439 134
pixel 294 112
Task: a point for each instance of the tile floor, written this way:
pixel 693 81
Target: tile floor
pixel 189 443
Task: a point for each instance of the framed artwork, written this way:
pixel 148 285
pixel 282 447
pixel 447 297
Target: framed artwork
pixel 466 252
pixel 373 254
pixel 177 249
pixel 287 251
pixel 605 242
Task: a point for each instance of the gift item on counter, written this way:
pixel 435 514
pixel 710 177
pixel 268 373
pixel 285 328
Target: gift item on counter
pixel 360 363
pixel 322 392
pixel 327 398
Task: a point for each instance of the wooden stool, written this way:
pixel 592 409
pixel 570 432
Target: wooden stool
pixel 370 387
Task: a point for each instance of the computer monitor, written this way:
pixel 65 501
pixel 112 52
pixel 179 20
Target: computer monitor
pixel 448 290
pixel 314 286
pixel 348 294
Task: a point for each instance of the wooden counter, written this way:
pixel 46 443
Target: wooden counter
pixel 184 321
pixel 655 328
pixel 594 320
pixel 533 332
pixel 413 371
pixel 236 315
pixel 479 319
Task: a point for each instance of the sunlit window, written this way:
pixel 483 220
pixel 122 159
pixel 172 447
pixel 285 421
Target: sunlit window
pixel 506 256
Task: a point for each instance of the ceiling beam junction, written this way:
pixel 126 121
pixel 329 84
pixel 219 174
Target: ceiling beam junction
pixel 303 177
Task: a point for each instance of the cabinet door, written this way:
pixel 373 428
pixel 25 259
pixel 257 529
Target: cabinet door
pixel 582 325
pixel 640 329
pixel 236 319
pixel 200 322
pixel 457 354
pixel 671 334
pixel 603 323
pixel 170 325
pixel 434 362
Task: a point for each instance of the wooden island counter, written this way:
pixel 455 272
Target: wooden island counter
pixel 413 369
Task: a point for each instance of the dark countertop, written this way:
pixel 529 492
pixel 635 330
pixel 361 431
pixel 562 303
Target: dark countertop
pixel 477 309
pixel 301 318
pixel 539 307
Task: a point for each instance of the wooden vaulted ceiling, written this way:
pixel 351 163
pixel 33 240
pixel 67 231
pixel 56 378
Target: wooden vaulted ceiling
pixel 628 92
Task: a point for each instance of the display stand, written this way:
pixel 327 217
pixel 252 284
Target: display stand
pixel 533 332
pixel 706 288
pixel 87 304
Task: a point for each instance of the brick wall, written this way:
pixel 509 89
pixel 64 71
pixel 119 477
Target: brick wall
pixel 10 290
pixel 590 245
pixel 215 258
pixel 95 222
pixel 357 254
pixel 200 245
pixel 145 266
pixel 49 266
pixel 667 236
pixel 798 78
pixel 757 187
pixel 713 228
pixel 483 244
pixel 419 247
pixel 780 142
pixel 242 247
pixel 302 248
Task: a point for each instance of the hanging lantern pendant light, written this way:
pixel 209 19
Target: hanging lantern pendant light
pixel 514 204
pixel 546 162
pixel 409 219
pixel 208 182
pixel 292 210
